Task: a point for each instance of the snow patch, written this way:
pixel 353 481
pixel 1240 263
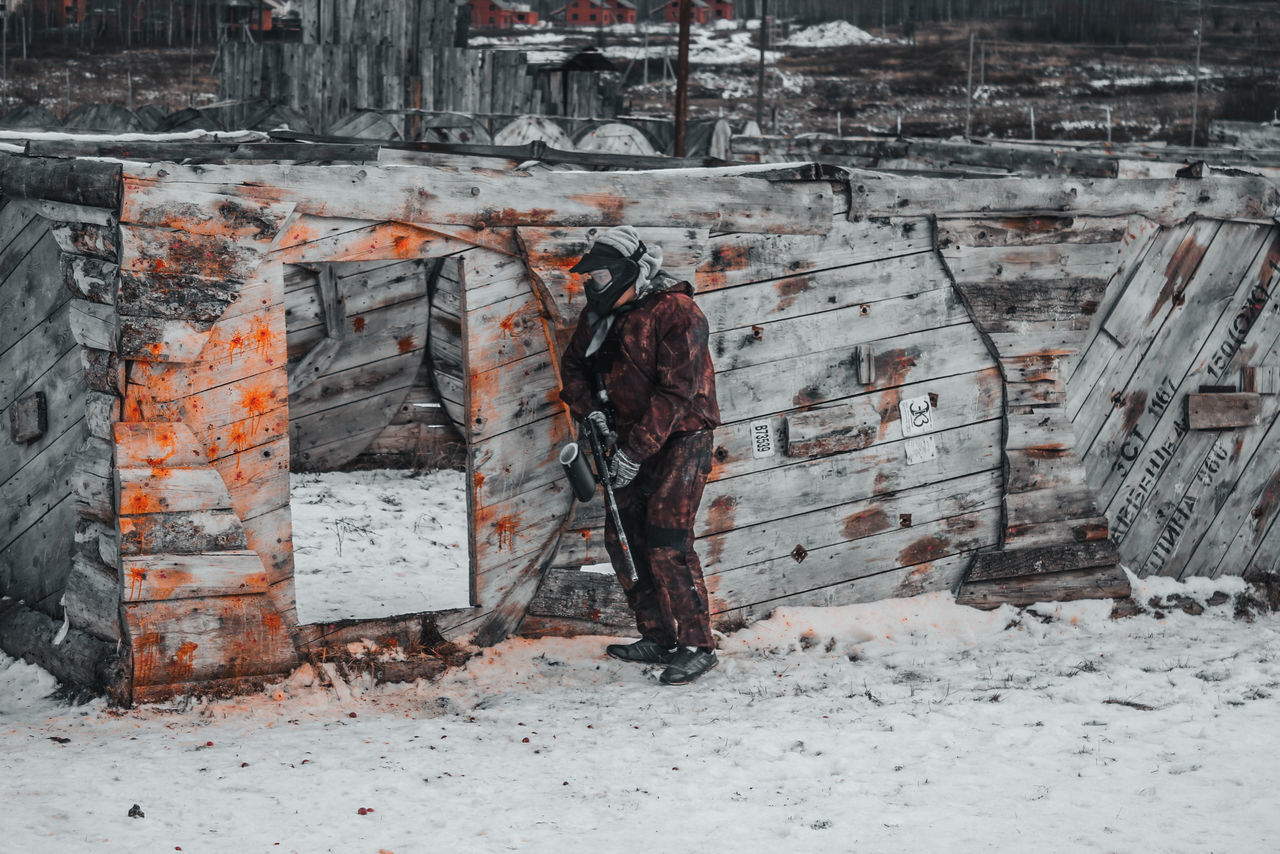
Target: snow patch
pixel 832 34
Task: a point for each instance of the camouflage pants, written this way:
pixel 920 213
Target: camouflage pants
pixel 669 598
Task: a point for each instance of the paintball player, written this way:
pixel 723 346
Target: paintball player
pixel 638 370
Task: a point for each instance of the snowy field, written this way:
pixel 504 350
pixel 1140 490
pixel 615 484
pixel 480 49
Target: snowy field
pixel 904 726
pixel 378 543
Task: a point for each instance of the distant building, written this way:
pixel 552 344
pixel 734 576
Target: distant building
pixel 699 13
pixel 721 10
pixel 499 14
pixel 598 13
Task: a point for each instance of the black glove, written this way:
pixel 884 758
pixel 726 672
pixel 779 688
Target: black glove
pixel 600 422
pixel 622 470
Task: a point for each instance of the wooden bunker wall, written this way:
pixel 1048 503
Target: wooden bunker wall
pixel 834 297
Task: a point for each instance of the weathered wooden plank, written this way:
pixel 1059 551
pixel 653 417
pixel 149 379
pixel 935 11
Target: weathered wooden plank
pixel 1055 532
pixel 363 287
pixel 64 212
pixel 872 418
pixel 927 577
pixel 235 217
pixel 513 396
pixel 824 290
pixel 322 239
pixel 1137 316
pixel 153 577
pixel 1154 432
pixel 988 566
pixel 507 331
pixel 341 388
pixel 160 339
pixel 1137 240
pixel 1223 411
pixel 92 599
pixel 739 259
pixel 39 486
pixel 44 360
pixel 887 320
pixel 172 444
pixel 91 479
pixel 569 592
pixel 189 640
pixel 330 438
pixel 94 326
pixel 515 527
pixel 1092 583
pixel 176 297
pixel 88 183
pixel 101 412
pixel 1042 265
pixel 161 252
pixel 830 481
pixel 76 238
pixel 1035 468
pixel 167 489
pixel 1010 306
pixel 256 478
pixel 90 279
pixel 544 199
pixel 181 533
pixel 1033 506
pixel 28 418
pixel 370 337
pixel 813 378
pixel 1242 521
pixel 1030 231
pixel 842 562
pixel 1165 201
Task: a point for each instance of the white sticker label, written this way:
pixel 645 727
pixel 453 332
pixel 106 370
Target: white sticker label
pixel 761 439
pixel 921 449
pixel 916 416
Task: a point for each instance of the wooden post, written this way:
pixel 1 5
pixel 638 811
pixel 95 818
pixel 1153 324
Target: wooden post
pixel 764 46
pixel 1195 92
pixel 968 92
pixel 682 77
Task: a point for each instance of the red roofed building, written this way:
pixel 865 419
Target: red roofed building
pixel 499 14
pixel 599 13
pixel 700 13
pixel 721 10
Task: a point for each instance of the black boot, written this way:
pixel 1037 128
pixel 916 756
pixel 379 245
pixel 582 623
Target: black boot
pixel 643 651
pixel 688 664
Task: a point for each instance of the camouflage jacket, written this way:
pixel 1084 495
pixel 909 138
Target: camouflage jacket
pixel 656 367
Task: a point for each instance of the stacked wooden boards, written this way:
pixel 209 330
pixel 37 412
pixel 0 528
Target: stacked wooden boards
pixel 820 344
pixel 356 336
pixel 1194 320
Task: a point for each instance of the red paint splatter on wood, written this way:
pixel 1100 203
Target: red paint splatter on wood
pixel 358 324
pixel 506 528
pixel 1177 274
pixel 866 523
pixel 137 577
pixel 922 550
pixel 272 623
pixel 184 662
pixel 478 479
pixel 405 344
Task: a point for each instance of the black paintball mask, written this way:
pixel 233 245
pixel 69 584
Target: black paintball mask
pixel 623 272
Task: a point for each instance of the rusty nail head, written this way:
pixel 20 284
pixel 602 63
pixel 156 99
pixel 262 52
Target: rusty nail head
pixel 933 400
pixel 721 453
pixel 475 191
pixel 799 553
pixel 757 332
pixel 904 520
pixel 865 309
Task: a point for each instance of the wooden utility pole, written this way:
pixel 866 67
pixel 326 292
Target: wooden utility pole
pixel 682 76
pixel 764 46
pixel 1195 96
pixel 968 92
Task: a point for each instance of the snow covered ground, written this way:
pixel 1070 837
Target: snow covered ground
pixel 378 543
pixel 900 726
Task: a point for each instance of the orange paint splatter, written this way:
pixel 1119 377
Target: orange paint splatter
pixel 137 501
pixel 137 577
pixel 479 480
pixel 506 528
pixel 272 623
pixel 184 662
pixel 262 336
